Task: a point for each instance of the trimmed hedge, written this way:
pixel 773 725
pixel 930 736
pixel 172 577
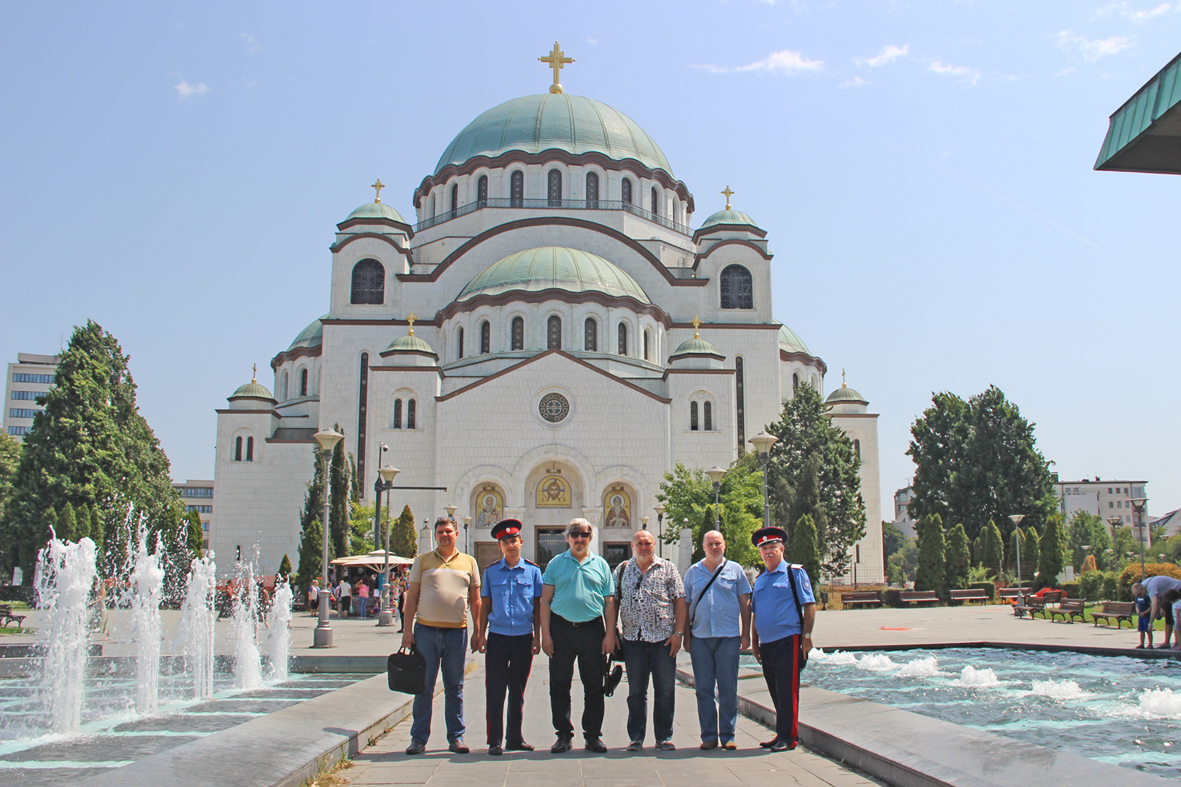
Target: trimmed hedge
pixel 1072 588
pixel 1131 574
pixel 987 587
pixel 16 593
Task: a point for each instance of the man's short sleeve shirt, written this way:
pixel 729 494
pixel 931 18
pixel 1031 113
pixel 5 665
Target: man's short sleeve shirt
pixel 1157 585
pixel 580 589
pixel 772 603
pixel 647 598
pixel 443 585
pixel 716 613
pixel 512 593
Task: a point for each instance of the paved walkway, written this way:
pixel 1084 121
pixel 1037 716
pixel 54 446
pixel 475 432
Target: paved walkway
pixel 385 762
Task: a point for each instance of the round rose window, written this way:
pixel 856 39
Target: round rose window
pixel 554 407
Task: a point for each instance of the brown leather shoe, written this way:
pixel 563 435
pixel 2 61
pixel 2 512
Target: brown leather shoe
pixel 707 745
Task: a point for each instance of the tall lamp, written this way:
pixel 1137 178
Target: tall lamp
pixel 327 440
pixel 660 527
pixel 385 483
pixel 762 443
pixel 716 474
pixel 467 543
pixel 1016 518
pixel 1138 505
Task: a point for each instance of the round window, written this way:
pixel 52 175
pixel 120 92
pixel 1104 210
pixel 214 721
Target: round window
pixel 554 407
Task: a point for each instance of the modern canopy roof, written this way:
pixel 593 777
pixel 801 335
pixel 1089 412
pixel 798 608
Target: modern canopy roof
pixel 1145 133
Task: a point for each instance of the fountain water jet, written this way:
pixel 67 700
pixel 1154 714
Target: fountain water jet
pixel 147 580
pixel 247 668
pixel 66 575
pixel 197 618
pixel 278 621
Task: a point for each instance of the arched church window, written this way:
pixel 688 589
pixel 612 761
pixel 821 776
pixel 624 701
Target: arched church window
pixel 857 449
pixel 707 411
pixel 516 195
pixel 482 191
pixel 590 335
pixel 740 400
pixel 249 449
pixel 647 341
pixel 622 338
pixel 303 382
pixel 518 333
pixel 626 195
pixel 554 189
pixel 410 412
pixel 795 382
pixel 238 449
pixel 454 197
pixel 397 413
pixel 655 202
pixel 285 380
pixel 459 342
pixel 368 282
pixel 692 416
pixel 485 338
pixel 592 190
pixel 553 333
pixel 737 288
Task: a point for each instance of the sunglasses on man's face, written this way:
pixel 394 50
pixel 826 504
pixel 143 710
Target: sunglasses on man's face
pixel 580 534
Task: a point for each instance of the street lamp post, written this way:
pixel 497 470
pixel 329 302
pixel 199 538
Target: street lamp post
pixel 327 440
pixel 660 527
pixel 716 474
pixel 762 443
pixel 384 483
pixel 1138 505
pixel 467 542
pixel 1016 529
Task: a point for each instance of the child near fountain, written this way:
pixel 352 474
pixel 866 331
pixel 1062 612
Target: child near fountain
pixel 1144 619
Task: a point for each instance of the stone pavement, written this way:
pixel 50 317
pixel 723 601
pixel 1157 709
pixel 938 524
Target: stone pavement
pixel 385 762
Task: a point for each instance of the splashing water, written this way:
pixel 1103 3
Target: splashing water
pixel 278 623
pixel 147 580
pixel 877 663
pixel 1059 689
pixel 197 618
pixel 66 575
pixel 247 671
pixel 1161 704
pixel 977 678
pixel 920 668
pixel 838 658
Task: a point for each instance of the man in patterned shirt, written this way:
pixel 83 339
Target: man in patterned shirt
pixel 652 611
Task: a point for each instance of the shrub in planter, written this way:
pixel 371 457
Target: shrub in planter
pixel 892 597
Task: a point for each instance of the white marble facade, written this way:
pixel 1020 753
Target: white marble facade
pixel 528 400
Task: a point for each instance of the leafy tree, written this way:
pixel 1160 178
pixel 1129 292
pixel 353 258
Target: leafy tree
pixel 91 445
pixel 1089 565
pixel 339 518
pixel 931 572
pixel 977 550
pixel 10 452
pixel 194 535
pixel 82 523
pixel 1086 534
pixel 804 548
pixel 688 494
pixel 959 561
pixel 992 548
pixel 813 451
pixel 310 554
pixel 284 568
pixel 1053 551
pixel 1031 552
pixel 892 538
pixel 96 533
pixel 977 461
pixel 66 523
pixel 901 566
pixel 403 537
pixel 49 524
pixel 361 530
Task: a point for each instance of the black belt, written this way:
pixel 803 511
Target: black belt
pixel 576 623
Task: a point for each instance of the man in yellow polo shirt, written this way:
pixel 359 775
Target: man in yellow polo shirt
pixel 443 584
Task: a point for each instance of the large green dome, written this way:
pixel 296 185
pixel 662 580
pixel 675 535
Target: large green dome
pixel 553 268
pixel 555 121
pixel 311 336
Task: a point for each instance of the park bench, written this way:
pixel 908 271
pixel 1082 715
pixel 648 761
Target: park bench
pixel 1030 604
pixel 6 614
pixel 971 594
pixel 918 597
pixel 1069 608
pixel 1117 610
pixel 1053 596
pixel 861 597
pixel 1010 594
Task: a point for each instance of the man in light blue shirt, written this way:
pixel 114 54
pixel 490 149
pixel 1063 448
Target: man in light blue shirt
pixel 719 624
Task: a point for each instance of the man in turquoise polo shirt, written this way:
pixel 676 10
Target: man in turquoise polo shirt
pixel 577 622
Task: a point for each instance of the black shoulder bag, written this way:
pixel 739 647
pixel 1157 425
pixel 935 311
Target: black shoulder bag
pixel 795 596
pixel 693 611
pixel 407 671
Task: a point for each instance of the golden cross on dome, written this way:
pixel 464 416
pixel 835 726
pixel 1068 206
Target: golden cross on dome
pixel 557 60
pixel 411 318
pixel 696 324
pixel 254 374
pixel 843 379
pixel 728 194
pixel 379 186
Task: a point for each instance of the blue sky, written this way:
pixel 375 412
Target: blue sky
pixel 175 172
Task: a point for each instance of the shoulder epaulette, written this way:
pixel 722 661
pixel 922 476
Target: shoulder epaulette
pixel 530 562
pixel 798 566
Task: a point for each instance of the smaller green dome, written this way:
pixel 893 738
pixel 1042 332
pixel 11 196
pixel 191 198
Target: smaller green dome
pixel 409 344
pixel 696 346
pixel 311 336
pixel 729 216
pixel 376 210
pixel 845 395
pixel 253 390
pixel 554 268
pixel 791 342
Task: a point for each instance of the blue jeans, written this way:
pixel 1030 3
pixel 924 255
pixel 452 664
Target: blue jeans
pixel 446 648
pixel 362 605
pixel 645 659
pixel 715 663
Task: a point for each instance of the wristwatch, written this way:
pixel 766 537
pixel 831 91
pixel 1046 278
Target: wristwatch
pixel 680 634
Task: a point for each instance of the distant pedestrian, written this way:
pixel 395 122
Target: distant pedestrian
pixel 362 598
pixel 314 597
pixel 344 596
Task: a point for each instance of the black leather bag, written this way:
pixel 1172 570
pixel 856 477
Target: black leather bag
pixel 407 671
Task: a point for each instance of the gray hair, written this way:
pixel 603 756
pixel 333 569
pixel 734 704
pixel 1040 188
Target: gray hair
pixel 581 524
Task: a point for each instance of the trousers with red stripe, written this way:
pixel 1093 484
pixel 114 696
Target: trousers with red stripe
pixel 507 665
pixel 780 660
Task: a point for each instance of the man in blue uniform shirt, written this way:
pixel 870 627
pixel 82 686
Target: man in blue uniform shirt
pixel 782 596
pixel 510 634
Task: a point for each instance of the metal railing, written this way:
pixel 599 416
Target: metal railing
pixel 555 204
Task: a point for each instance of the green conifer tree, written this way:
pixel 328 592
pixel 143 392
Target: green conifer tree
pixel 340 509
pixel 958 559
pixel 1052 551
pixel 931 571
pixel 284 568
pixel 96 535
pixel 992 550
pixel 805 549
pixel 310 554
pixel 1031 554
pixel 48 526
pixel 403 536
pixel 194 535
pixel 82 523
pixel 66 521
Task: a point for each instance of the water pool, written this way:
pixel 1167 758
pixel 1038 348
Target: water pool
pixel 1123 711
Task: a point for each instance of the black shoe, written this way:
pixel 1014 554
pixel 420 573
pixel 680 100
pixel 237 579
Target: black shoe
pixel 782 745
pixel 562 744
pixel 770 743
pixel 522 746
pixel 495 750
pixel 596 745
pixel 416 747
pixel 457 747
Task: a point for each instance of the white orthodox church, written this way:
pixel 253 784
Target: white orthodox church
pixel 546 338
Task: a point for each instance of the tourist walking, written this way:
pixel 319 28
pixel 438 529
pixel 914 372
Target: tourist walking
pixel 362 598
pixel 344 595
pixel 577 623
pixel 784 611
pixel 314 597
pixel 651 602
pixel 718 595
pixel 510 633
pixel 443 584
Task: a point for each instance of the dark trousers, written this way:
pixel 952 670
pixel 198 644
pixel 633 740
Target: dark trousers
pixel 583 642
pixel 507 665
pixel 644 659
pixel 781 671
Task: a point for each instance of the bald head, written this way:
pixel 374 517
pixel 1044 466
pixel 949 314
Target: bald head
pixel 713 544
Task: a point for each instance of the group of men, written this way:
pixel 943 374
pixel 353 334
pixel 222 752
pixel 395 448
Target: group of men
pixel 580 611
